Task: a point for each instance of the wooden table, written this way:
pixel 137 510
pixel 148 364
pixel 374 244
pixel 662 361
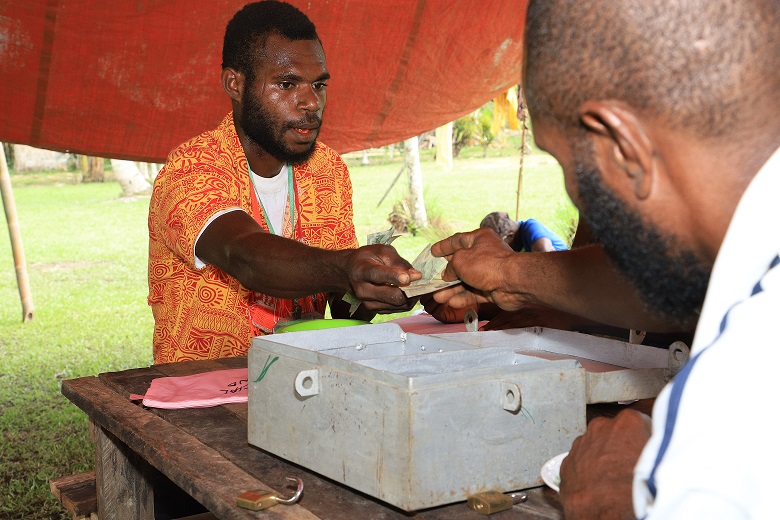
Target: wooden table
pixel 205 453
pixel 140 451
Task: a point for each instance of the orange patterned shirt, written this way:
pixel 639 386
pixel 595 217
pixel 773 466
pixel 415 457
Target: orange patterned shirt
pixel 205 313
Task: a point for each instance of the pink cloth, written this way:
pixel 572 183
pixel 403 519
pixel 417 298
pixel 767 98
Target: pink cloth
pixel 426 324
pixel 197 391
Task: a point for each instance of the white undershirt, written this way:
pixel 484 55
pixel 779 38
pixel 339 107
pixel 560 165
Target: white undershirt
pixel 273 193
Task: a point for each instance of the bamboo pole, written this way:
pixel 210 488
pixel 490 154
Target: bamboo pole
pixel 523 138
pixel 22 280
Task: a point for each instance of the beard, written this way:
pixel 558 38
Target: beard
pixel 671 279
pixel 268 132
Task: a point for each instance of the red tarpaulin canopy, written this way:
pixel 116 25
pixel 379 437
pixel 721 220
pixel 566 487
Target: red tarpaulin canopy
pixel 132 79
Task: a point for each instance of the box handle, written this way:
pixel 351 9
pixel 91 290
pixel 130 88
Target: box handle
pixel 511 400
pixel 307 383
pixel 677 357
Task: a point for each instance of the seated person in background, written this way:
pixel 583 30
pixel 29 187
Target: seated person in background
pixel 251 223
pixel 523 235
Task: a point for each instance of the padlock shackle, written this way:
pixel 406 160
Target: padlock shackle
pixel 296 496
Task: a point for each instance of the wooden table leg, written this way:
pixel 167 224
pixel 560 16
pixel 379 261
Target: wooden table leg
pixel 122 479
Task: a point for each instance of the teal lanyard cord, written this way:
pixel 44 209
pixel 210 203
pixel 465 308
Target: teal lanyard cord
pixel 290 194
pixel 296 314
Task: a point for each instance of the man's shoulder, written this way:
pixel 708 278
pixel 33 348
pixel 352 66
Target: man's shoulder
pixel 208 145
pixel 325 161
pixel 324 150
pixel 534 225
pixel 529 222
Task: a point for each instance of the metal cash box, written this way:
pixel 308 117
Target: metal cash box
pixel 420 421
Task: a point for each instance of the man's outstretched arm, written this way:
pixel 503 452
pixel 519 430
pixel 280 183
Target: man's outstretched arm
pixel 284 268
pixel 582 281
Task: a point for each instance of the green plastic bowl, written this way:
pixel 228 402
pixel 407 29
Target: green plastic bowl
pixel 318 324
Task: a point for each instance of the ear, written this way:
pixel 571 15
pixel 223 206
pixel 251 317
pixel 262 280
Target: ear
pixel 631 150
pixel 233 83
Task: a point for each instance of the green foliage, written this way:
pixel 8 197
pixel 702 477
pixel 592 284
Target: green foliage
pixel 86 250
pixel 463 131
pixel 401 219
pixel 486 135
pixel 474 129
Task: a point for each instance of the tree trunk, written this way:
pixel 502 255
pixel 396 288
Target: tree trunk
pixel 96 171
pixel 149 170
pixel 130 177
pixel 414 170
pixel 444 146
pixel 523 143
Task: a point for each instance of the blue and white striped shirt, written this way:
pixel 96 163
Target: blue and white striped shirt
pixel 715 449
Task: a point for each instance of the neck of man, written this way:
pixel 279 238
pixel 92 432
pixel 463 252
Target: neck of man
pixel 261 162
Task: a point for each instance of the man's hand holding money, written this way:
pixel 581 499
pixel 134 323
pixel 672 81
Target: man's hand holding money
pixel 480 259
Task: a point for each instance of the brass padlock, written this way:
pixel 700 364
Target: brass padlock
pixel 489 502
pixel 259 500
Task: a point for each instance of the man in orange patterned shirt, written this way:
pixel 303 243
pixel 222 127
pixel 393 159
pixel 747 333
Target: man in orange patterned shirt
pixel 251 223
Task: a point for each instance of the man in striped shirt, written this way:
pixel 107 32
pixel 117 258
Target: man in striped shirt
pixel 664 117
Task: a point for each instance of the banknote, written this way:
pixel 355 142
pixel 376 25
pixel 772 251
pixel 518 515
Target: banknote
pixel 428 264
pixel 431 268
pixel 353 302
pixel 382 237
pixel 418 289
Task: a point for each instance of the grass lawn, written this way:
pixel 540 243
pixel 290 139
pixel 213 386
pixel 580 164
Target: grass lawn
pixel 86 251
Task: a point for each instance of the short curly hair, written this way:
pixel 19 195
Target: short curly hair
pixel 498 222
pixel 249 29
pixel 696 64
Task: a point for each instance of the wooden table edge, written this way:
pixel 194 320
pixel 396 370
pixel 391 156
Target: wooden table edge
pixel 111 411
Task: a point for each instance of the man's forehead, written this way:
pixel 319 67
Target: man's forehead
pixel 281 52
